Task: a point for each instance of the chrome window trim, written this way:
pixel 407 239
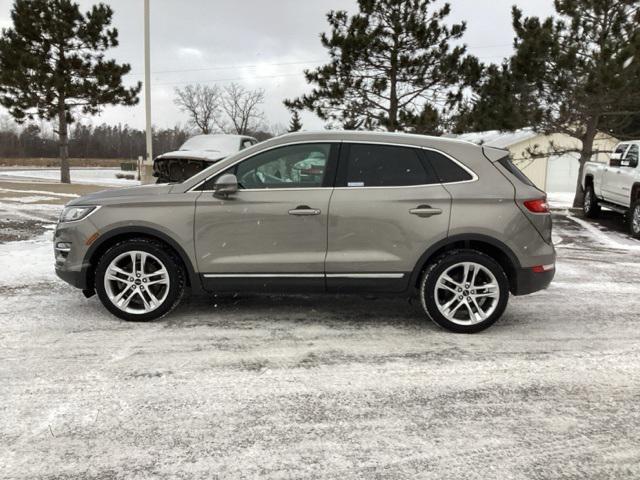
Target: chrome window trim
pixel 305 142
pixel 474 177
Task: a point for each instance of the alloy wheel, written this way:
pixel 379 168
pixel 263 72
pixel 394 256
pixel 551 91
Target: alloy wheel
pixel 136 282
pixel 467 293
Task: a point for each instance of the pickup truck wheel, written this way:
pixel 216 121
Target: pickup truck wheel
pixel 464 291
pixel 634 219
pixel 591 208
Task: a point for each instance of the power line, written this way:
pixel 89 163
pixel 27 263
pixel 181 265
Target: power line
pixel 233 67
pixel 277 64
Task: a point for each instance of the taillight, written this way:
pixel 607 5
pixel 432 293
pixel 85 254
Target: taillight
pixel 538 205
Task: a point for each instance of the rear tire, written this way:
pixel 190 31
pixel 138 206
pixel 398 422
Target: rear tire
pixel 591 208
pixel 139 280
pixel 464 291
pixel 634 219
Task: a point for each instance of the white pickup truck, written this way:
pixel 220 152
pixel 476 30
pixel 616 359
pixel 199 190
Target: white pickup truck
pixel 615 186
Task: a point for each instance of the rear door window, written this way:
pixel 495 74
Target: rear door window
pixel 371 165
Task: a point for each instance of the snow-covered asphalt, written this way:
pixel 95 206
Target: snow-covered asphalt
pixel 320 387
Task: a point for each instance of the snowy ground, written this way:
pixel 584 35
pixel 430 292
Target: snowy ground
pixel 320 387
pixel 91 176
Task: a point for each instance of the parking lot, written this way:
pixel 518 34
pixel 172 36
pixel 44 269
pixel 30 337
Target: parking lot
pixel 308 387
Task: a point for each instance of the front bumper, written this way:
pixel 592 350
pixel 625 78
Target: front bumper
pixel 75 279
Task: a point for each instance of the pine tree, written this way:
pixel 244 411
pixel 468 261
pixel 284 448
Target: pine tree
pixel 52 61
pixel 387 62
pixel 499 101
pixel 584 69
pixel 295 125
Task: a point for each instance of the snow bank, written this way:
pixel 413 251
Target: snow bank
pixel 90 176
pixel 28 262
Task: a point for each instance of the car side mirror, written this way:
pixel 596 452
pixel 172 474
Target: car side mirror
pixel 226 185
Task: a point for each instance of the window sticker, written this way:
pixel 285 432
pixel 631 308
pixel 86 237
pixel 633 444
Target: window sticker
pixel 355 184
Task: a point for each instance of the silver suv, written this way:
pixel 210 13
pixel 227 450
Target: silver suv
pixel 339 212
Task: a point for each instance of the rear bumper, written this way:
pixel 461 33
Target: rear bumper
pixel 528 281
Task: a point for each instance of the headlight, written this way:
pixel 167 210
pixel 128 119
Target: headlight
pixel 73 214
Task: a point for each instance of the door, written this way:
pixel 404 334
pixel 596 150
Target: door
pixel 611 175
pixel 387 208
pixel 272 233
pixel 627 175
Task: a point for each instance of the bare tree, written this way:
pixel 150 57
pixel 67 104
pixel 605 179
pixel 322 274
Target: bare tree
pixel 203 105
pixel 241 106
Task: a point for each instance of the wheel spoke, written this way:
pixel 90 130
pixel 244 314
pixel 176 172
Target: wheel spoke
pixel 473 278
pixel 472 316
pixel 147 306
pixel 480 311
pixel 447 278
pixel 125 302
pixel 143 261
pixel 444 286
pixel 133 263
pixel 121 294
pixel 154 300
pixel 465 273
pixel 113 270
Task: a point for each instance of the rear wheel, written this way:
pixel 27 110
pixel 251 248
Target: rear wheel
pixel 634 219
pixel 464 291
pixel 591 207
pixel 139 280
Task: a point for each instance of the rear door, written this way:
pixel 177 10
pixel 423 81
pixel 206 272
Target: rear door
pixel 387 208
pixel 272 233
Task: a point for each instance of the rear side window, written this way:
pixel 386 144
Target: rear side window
pixel 446 169
pixel 369 165
pixel 515 171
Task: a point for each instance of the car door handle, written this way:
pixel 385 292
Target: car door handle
pixel 425 211
pixel 301 210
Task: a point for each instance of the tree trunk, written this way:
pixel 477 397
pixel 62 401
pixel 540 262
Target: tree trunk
pixel 393 94
pixel 585 156
pixel 63 135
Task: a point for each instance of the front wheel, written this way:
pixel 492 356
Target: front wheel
pixel 591 207
pixel 139 280
pixel 634 219
pixel 464 291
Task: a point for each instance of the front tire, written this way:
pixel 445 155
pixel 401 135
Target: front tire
pixel 591 208
pixel 634 219
pixel 464 291
pixel 139 280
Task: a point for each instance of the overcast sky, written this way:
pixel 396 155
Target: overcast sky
pixel 265 44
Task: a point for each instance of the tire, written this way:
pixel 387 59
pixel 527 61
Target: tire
pixel 162 278
pixel 634 219
pixel 591 208
pixel 480 307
